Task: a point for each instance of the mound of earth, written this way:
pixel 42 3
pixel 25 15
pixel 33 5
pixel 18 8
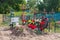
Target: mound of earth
pixel 6 35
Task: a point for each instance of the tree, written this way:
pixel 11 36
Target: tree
pixel 59 6
pixel 48 4
pixel 31 3
pixel 51 4
pixel 41 6
pixel 6 5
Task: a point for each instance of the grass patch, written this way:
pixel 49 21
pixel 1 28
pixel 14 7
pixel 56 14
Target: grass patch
pixel 58 30
pixel 4 24
pixel 19 13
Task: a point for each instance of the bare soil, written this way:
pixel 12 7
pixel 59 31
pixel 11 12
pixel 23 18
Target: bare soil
pixel 6 35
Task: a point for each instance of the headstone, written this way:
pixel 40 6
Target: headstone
pixel 15 19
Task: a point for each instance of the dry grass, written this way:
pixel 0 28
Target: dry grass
pixel 0 18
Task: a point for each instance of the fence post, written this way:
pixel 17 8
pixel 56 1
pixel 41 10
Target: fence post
pixel 55 27
pixel 49 26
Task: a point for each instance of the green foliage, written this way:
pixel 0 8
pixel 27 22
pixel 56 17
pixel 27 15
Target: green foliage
pixel 32 3
pixel 41 6
pixel 6 5
pixel 53 4
pixel 48 4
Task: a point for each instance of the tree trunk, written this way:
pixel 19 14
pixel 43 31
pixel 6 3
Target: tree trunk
pixel 4 17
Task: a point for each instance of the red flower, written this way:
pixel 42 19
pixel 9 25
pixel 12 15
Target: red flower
pixel 23 20
pixel 41 25
pixel 33 20
pixel 32 26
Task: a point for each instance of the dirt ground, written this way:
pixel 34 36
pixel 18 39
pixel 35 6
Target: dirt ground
pixel 6 35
